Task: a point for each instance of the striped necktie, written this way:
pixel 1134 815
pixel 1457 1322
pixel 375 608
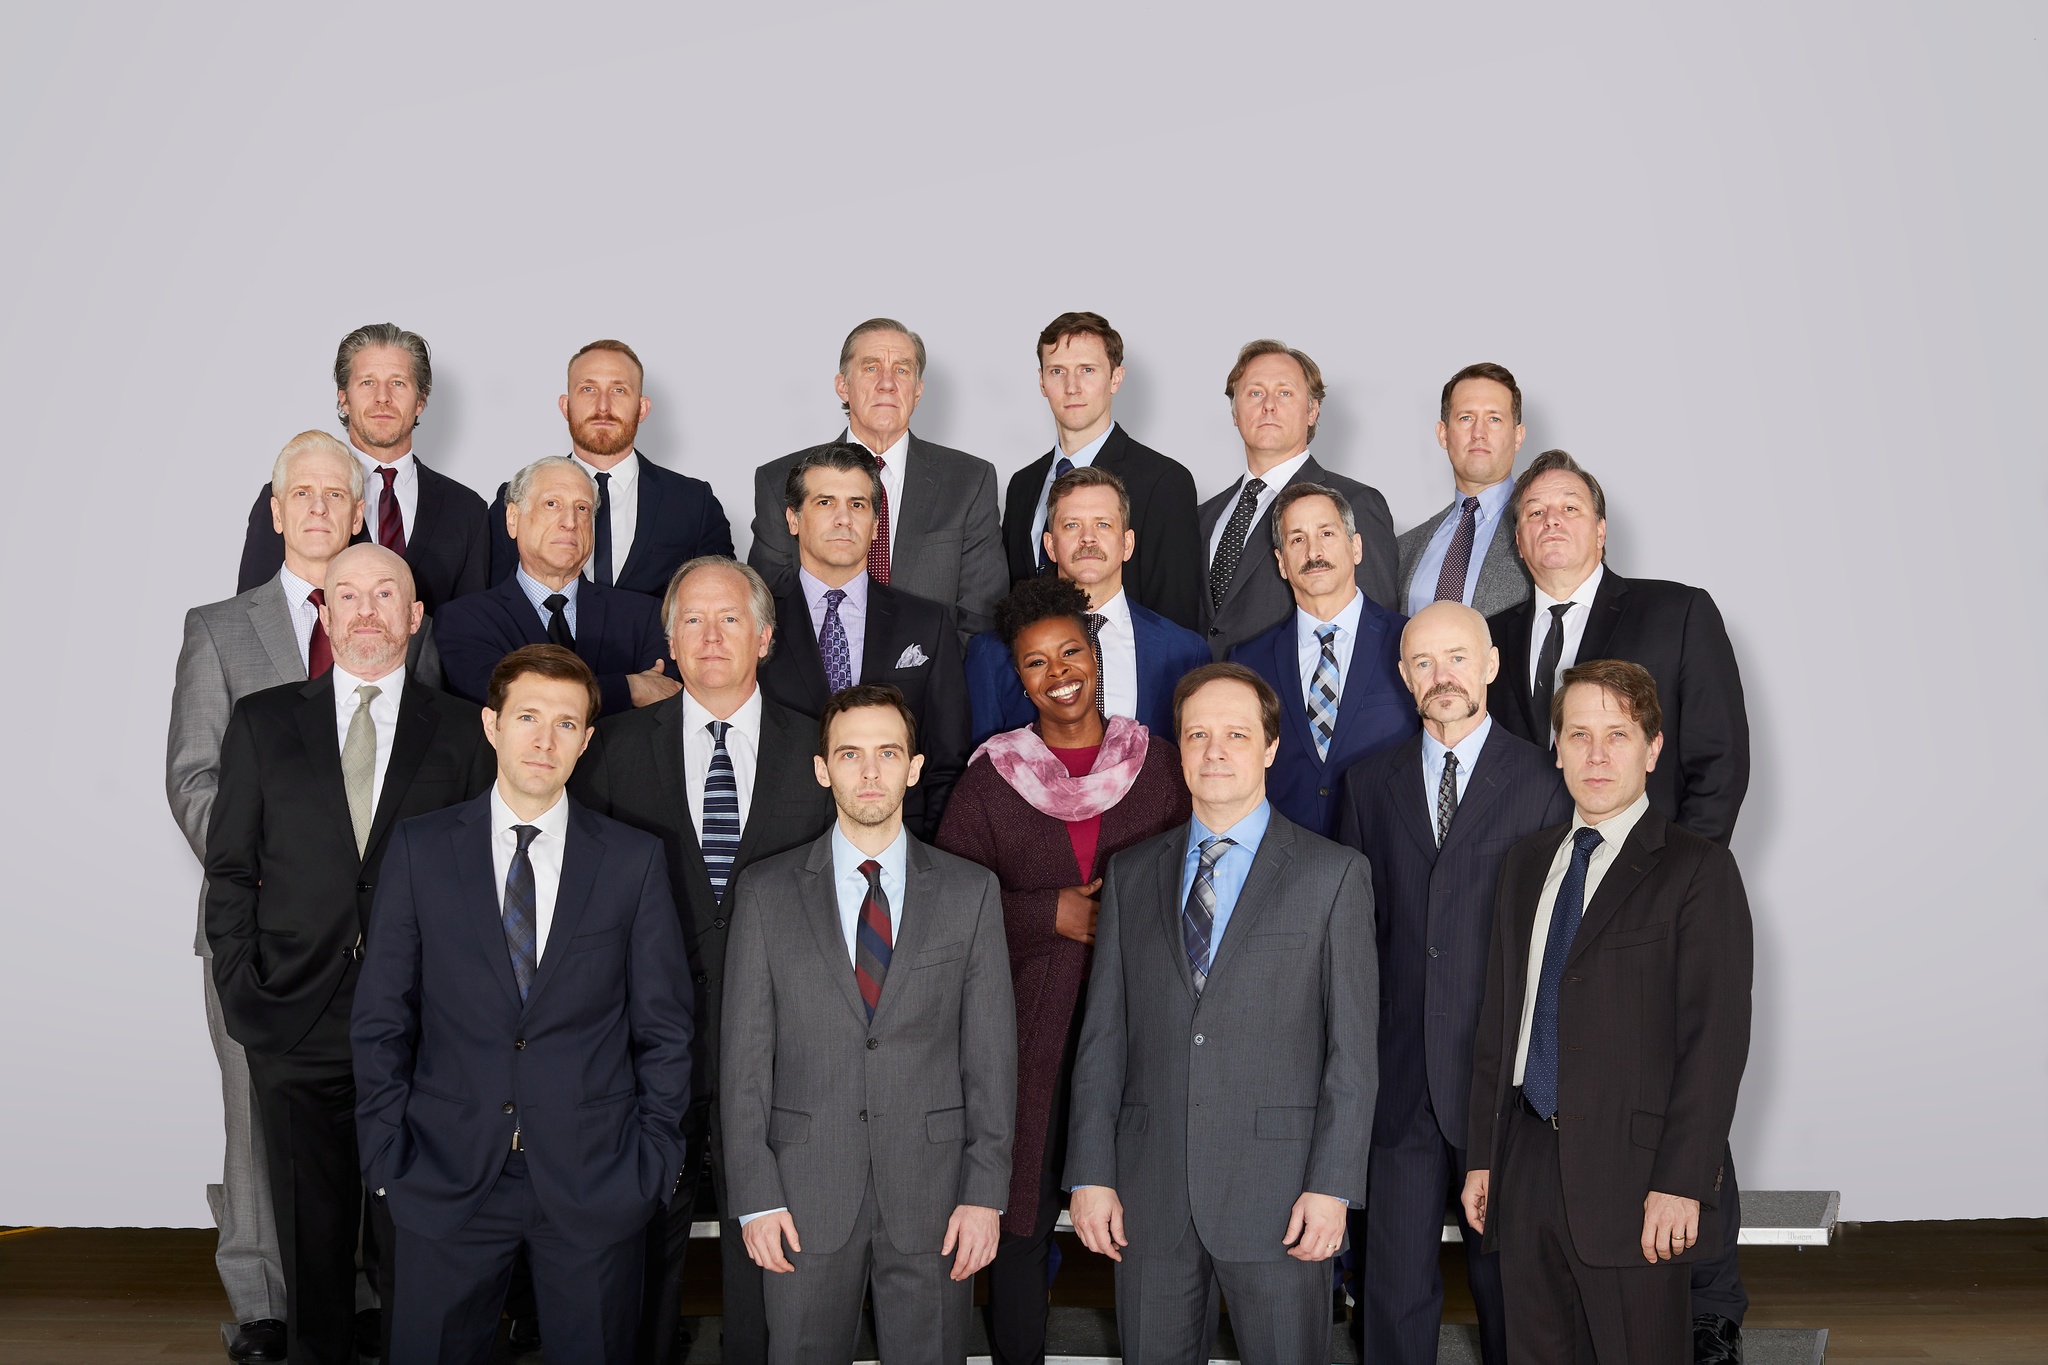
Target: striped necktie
pixel 721 840
pixel 1324 688
pixel 1198 914
pixel 872 939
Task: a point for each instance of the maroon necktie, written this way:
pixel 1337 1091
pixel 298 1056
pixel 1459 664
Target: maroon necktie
pixel 878 548
pixel 319 650
pixel 390 525
pixel 873 941
pixel 1450 583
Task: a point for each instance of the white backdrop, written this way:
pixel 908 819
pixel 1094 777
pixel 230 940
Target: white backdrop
pixel 1774 274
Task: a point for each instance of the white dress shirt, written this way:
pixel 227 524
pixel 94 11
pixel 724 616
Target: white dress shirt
pixel 1574 628
pixel 892 481
pixel 1308 650
pixel 622 504
pixel 383 715
pixel 1433 751
pixel 297 592
pixel 406 487
pixel 853 614
pixel 1083 459
pixel 1614 832
pixel 1119 680
pixel 545 853
pixel 1277 478
pixel 742 745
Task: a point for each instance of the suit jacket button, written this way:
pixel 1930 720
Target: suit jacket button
pixel 519 1045
pixel 506 1107
pixel 1198 1040
pixel 365 886
pixel 702 978
pixel 718 924
pixel 863 1116
pixel 1432 950
pixel 873 1043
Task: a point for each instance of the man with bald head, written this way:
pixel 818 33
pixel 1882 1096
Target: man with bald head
pixel 313 775
pixel 1434 816
pixel 551 514
pixel 722 775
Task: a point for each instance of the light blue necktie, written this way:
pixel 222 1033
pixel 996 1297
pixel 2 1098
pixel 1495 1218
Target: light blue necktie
pixel 1324 689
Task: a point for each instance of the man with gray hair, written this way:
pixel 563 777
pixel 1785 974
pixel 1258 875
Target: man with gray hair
pixel 382 376
pixel 938 534
pixel 550 512
pixel 723 776
pixel 266 637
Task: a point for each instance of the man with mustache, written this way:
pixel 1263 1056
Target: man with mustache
pixel 1088 537
pixel 382 376
pixel 1466 553
pixel 649 520
pixel 1434 815
pixel 1333 660
pixel 313 776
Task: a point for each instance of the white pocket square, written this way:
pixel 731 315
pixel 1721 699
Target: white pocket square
pixel 911 657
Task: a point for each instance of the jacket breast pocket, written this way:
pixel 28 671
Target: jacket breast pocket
pixel 1276 943
pixel 946 1125
pixel 603 938
pixel 789 1125
pixel 945 952
pixel 1285 1123
pixel 1636 938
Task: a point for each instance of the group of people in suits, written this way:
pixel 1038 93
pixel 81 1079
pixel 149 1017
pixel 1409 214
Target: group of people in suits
pixel 565 874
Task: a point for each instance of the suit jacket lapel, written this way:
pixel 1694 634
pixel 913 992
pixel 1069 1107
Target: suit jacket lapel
pixel 1405 791
pixel 409 743
pixel 527 624
pixel 782 760
pixel 317 731
pixel 582 853
pixel 1527 892
pixel 913 923
pixel 821 908
pixel 1366 641
pixel 1608 603
pixel 270 616
pixel 1276 851
pixel 1286 666
pixel 1482 789
pixel 1513 643
pixel 1257 541
pixel 879 646
pixel 667 757
pixel 920 496
pixel 1168 869
pixel 591 602
pixel 471 853
pixel 647 513
pixel 1632 862
pixel 799 637
pixel 426 510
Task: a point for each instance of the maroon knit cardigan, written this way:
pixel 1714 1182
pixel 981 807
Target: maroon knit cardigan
pixel 1030 853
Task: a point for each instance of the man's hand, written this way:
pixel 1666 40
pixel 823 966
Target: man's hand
pixel 1315 1230
pixel 1671 1226
pixel 1078 907
pixel 763 1239
pixel 974 1229
pixel 1474 1199
pixel 652 686
pixel 1099 1220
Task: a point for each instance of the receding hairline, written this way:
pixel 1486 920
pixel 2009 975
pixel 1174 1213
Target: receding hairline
pixel 858 345
pixel 1454 611
pixel 1258 702
pixel 1336 512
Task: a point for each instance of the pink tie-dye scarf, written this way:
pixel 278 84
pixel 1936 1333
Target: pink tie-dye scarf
pixel 1038 776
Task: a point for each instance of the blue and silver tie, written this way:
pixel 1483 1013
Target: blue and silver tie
pixel 1325 687
pixel 1198 915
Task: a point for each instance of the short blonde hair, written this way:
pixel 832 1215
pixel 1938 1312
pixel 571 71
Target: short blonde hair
pixel 314 443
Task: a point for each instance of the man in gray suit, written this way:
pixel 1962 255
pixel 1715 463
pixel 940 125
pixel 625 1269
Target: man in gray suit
pixel 869 1063
pixel 1276 398
pixel 1466 553
pixel 266 637
pixel 938 533
pixel 1224 1085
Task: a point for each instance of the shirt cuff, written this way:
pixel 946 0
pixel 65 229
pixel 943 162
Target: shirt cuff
pixel 747 1218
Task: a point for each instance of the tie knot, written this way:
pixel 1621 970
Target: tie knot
pixel 718 729
pixel 1213 848
pixel 881 463
pixel 1254 487
pixel 834 596
pixel 872 870
pixel 389 475
pixel 526 834
pixel 1327 634
pixel 1557 612
pixel 1472 506
pixel 604 479
pixel 1450 761
pixel 368 693
pixel 1095 620
pixel 1585 841
pixel 318 597
pixel 555 602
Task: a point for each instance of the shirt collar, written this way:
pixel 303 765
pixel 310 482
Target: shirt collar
pixel 893 456
pixel 1280 475
pixel 1247 833
pixel 1116 611
pixel 623 473
pixel 855 588
pixel 846 859
pixel 1346 620
pixel 1493 499
pixel 373 482
pixel 1467 749
pixel 1582 596
pixel 746 720
pixel 296 589
pixel 346 683
pixel 1616 828
pixel 538 592
pixel 1086 454
pixel 552 822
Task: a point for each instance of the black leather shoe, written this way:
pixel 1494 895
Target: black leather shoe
pixel 259 1341
pixel 370 1333
pixel 1716 1340
pixel 525 1336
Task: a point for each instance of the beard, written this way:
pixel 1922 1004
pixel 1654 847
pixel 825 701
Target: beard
pixel 367 441
pixel 870 813
pixel 600 441
pixel 360 656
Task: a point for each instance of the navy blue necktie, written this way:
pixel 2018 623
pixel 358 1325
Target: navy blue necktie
pixel 601 556
pixel 1539 1071
pixel 721 812
pixel 522 911
pixel 1060 469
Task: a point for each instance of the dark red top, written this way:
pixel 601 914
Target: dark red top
pixel 1084 833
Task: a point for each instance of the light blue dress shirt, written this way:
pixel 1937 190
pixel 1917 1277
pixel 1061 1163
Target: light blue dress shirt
pixel 853 614
pixel 851 883
pixel 1433 751
pixel 1493 503
pixel 1231 869
pixel 1308 649
pixel 538 592
pixel 1082 458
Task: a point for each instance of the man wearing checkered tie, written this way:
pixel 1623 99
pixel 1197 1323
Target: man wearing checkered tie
pixel 1224 1081
pixel 868 1063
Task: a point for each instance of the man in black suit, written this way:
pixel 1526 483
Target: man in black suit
pixel 1435 816
pixel 313 776
pixel 1582 610
pixel 723 776
pixel 836 626
pixel 382 376
pixel 547 599
pixel 940 535
pixel 522 1042
pixel 1276 398
pixel 649 519
pixel 1080 368
pixel 1610 1048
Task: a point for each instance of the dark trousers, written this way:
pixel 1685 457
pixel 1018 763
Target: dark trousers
pixel 1017 1277
pixel 1564 1310
pixel 307 1098
pixel 453 1288
pixel 1166 1302
pixel 1717 1283
pixel 1410 1184
pixel 744 1326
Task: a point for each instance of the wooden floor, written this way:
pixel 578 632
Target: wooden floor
pixel 1899 1293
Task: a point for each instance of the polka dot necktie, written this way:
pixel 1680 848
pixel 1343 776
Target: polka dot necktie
pixel 1231 548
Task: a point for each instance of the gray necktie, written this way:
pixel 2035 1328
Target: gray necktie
pixel 359 766
pixel 1446 798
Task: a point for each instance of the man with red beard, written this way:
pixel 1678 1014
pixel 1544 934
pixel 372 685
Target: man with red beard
pixel 313 775
pixel 650 520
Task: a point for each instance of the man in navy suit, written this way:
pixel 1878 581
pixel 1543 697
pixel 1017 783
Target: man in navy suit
pixel 1435 816
pixel 618 633
pixel 650 520
pixel 1333 659
pixel 1088 535
pixel 522 1042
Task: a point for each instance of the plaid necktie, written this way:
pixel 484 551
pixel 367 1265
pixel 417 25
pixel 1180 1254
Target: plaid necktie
pixel 1231 547
pixel 878 548
pixel 522 913
pixel 1450 580
pixel 1198 915
pixel 1324 689
pixel 872 938
pixel 832 644
pixel 1539 1070
pixel 1446 798
pixel 721 842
